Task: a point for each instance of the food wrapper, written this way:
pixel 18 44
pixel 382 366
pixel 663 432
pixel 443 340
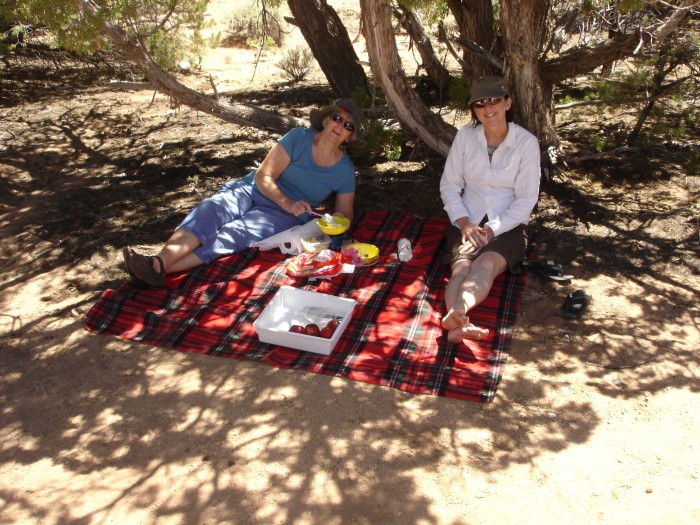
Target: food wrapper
pixel 325 263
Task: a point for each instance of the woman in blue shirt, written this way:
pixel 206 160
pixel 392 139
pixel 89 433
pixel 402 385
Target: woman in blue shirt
pixel 303 168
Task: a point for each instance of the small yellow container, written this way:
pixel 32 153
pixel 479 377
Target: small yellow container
pixel 339 225
pixel 368 253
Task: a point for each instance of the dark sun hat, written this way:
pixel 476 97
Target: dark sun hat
pixel 348 105
pixel 487 87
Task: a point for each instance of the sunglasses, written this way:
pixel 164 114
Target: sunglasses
pixel 337 117
pixel 487 101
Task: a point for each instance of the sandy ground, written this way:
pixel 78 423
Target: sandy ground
pixel 596 420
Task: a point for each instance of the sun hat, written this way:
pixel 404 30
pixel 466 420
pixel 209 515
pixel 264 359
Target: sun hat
pixel 348 105
pixel 487 87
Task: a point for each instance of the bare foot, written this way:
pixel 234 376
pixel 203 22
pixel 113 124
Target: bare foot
pixel 455 319
pixel 467 332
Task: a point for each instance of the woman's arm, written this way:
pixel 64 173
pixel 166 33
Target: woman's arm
pixel 344 205
pixel 266 175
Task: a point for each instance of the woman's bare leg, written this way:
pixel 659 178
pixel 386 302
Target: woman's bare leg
pixel 469 284
pixel 177 253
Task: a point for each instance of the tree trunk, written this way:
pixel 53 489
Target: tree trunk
pixel 475 22
pixel 165 83
pixel 388 73
pixel 331 46
pixel 437 73
pixel 584 60
pixel 523 23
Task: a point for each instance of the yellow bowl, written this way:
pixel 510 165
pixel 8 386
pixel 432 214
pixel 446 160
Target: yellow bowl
pixel 340 225
pixel 368 253
pixel 316 243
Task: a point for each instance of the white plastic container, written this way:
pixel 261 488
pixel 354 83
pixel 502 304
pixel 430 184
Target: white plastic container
pixel 316 243
pixel 294 306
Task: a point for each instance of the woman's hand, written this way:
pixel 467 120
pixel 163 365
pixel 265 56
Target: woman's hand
pixel 474 237
pixel 297 208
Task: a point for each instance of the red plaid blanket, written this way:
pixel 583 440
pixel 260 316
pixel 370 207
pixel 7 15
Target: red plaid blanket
pixel 394 338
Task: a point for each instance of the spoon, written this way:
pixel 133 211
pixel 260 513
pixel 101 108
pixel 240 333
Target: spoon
pixel 325 216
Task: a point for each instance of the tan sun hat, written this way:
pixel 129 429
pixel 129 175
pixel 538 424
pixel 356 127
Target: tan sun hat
pixel 487 87
pixel 348 105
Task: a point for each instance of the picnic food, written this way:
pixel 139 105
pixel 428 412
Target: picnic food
pixel 314 330
pixel 324 263
pixel 360 253
pixel 338 226
pixel 316 243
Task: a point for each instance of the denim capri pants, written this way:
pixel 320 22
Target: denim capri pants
pixel 232 219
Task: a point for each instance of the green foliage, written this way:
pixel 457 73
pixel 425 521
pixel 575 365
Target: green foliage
pixel 194 182
pixel 432 11
pixel 629 6
pixel 601 143
pixel 255 25
pixel 589 7
pixel 383 140
pixel 170 29
pixel 693 164
pixel 265 42
pixel 70 28
pixel 458 93
pixel 657 87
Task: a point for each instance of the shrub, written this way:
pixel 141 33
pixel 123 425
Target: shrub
pixel 249 26
pixel 296 63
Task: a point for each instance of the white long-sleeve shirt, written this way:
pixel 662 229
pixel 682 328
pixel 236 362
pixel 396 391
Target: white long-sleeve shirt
pixel 505 189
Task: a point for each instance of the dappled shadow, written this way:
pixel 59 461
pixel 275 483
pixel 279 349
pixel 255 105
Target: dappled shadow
pixel 643 256
pixel 78 183
pixel 112 406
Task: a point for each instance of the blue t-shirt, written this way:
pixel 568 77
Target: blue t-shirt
pixel 305 180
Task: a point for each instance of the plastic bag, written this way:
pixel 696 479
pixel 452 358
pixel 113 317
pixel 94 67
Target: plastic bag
pixel 325 263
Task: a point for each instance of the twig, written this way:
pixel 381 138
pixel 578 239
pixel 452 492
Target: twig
pixel 139 86
pixel 623 149
pixel 213 86
pixel 621 367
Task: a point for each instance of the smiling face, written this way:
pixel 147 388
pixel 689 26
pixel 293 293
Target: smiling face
pixel 491 110
pixel 340 125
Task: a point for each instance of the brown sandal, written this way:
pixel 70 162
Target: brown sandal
pixel 138 283
pixel 140 269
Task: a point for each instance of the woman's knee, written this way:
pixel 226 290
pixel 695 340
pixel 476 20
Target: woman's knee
pixel 492 263
pixel 461 267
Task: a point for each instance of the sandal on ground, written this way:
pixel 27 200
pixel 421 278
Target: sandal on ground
pixel 548 270
pixel 140 269
pixel 575 304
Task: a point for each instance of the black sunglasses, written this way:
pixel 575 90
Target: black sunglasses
pixel 484 101
pixel 337 117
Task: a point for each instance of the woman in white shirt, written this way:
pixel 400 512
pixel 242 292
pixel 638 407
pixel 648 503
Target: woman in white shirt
pixel 489 187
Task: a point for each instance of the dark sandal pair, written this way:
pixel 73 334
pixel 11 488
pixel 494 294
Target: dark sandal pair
pixel 575 304
pixel 548 270
pixel 140 269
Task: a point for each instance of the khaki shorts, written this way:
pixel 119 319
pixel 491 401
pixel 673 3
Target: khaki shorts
pixel 511 245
